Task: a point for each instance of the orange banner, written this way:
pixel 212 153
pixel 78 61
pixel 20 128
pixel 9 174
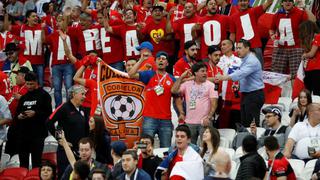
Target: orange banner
pixel 122 102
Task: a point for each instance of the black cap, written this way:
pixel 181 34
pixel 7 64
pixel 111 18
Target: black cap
pixel 158 6
pixel 188 44
pixel 162 53
pixel 11 47
pixel 213 48
pixel 272 109
pixel 23 70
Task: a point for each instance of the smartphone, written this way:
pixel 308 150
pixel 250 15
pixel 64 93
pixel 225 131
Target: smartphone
pixel 141 145
pixel 311 150
pixel 58 132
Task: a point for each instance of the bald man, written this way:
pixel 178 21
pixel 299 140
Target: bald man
pixel 222 165
pixel 302 130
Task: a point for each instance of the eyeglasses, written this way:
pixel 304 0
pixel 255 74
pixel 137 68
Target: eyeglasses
pixel 269 116
pixel 10 53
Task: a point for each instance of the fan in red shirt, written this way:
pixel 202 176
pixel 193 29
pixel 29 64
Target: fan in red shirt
pixel 5 87
pixel 311 56
pixel 214 54
pixel 112 49
pixel 144 11
pixel 49 19
pixel 245 25
pixel 86 37
pixel 182 27
pixel 278 165
pixel 285 33
pixel 129 34
pixel 149 62
pixel 91 85
pixel 176 10
pixel 33 37
pixel 5 38
pixel 190 58
pixel 212 28
pixel 18 90
pixel 62 70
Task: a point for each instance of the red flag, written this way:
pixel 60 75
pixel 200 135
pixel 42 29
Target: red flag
pixel 273 86
pixel 298 81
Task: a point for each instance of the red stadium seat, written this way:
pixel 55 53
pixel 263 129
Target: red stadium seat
pixel 51 156
pixel 17 172
pixel 3 177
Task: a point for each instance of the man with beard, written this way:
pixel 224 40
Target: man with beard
pixel 182 27
pixel 200 97
pixel 189 58
pixel 158 85
pixel 211 29
pixel 72 120
pixel 244 25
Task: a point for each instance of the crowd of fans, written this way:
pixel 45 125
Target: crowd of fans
pixel 204 58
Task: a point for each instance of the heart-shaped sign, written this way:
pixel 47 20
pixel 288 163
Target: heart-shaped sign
pixel 156 35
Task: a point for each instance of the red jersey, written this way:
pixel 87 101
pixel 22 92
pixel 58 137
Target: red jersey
pixel 245 25
pixel 182 65
pixel 92 93
pixel 155 31
pixel 142 13
pixel 148 64
pixel 50 21
pixel 287 27
pixel 178 13
pixel 176 159
pixel 182 29
pixel 33 43
pixel 5 87
pixel 57 50
pixel 13 103
pixel 112 49
pixel 214 30
pixel 85 40
pixel 314 63
pixel 212 71
pixel 6 38
pixel 153 101
pixel 129 39
pixel 281 168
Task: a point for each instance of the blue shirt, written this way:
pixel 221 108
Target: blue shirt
pixel 249 75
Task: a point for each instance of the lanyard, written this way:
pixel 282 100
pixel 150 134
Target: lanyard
pixel 214 71
pixel 195 93
pixel 160 80
pixel 275 131
pixel 270 168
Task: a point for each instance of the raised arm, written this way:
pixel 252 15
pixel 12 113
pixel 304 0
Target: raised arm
pixel 67 50
pixel 78 76
pixel 266 5
pixel 133 73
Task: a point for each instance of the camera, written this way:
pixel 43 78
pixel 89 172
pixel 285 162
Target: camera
pixel 141 145
pixel 311 150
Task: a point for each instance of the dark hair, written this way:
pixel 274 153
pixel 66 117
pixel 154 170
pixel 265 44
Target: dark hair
pixel 208 2
pixel 45 7
pixel 99 171
pixel 131 152
pixel 184 128
pixel 307 29
pixel 197 66
pixel 250 144
pixel 82 169
pixel 99 130
pixel 129 9
pixel 271 143
pixel 29 12
pixel 245 43
pixel 215 141
pixel 31 76
pixel 213 48
pixel 188 44
pixel 86 140
pixel 308 94
pixel 147 136
pixel 51 165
